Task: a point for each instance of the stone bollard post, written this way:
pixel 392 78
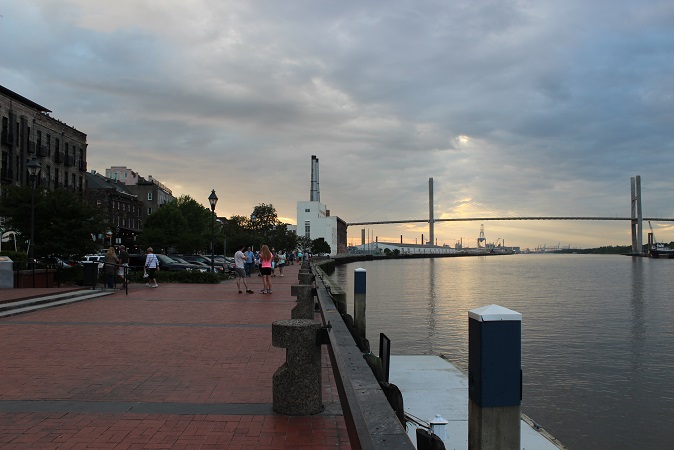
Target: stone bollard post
pixel 494 378
pixel 305 301
pixel 359 301
pixel 296 385
pixel 306 278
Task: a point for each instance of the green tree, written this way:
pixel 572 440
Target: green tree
pixel 183 225
pixel 267 229
pixel 64 223
pixel 319 246
pixel 164 229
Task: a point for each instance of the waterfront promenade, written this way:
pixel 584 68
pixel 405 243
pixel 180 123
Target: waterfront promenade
pixel 181 366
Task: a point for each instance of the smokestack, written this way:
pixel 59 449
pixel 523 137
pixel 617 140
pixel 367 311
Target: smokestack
pixel 315 194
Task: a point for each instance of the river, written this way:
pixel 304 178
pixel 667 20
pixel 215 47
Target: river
pixel 597 334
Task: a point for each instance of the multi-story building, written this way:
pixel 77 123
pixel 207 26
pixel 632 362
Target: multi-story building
pixel 28 131
pixel 123 175
pixel 123 209
pixel 150 191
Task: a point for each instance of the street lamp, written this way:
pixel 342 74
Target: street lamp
pixel 34 167
pixel 252 224
pixel 212 199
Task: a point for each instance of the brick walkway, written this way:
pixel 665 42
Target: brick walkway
pixel 181 366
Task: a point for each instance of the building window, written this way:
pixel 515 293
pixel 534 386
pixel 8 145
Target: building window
pixel 307 228
pixel 307 210
pixel 149 211
pixel 149 196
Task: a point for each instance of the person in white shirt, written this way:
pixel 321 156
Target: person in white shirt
pixel 240 269
pixel 151 266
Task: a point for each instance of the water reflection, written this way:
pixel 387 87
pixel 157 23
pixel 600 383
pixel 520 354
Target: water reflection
pixel 637 308
pixel 431 321
pixel 597 334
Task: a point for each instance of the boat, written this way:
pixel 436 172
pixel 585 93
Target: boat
pixel 659 250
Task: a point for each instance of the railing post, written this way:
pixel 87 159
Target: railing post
pixel 359 302
pixel 494 378
pixel 296 385
pixel 305 301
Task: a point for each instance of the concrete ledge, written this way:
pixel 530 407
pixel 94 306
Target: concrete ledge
pixel 370 420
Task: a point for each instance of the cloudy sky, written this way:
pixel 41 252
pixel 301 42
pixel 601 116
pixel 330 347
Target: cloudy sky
pixel 514 107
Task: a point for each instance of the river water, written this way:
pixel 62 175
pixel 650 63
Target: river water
pixel 597 334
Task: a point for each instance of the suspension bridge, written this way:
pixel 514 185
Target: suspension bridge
pixel 636 219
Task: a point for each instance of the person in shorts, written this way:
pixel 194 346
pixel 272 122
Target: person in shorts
pixel 240 269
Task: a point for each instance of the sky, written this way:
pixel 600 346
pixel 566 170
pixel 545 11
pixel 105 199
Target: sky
pixel 514 107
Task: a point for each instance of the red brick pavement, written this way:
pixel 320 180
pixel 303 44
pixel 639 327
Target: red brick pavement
pixel 180 366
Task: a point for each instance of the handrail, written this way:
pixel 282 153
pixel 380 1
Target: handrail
pixel 370 420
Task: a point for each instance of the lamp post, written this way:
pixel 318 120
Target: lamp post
pixel 212 199
pixel 252 224
pixel 34 167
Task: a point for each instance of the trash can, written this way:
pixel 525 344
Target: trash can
pixel 6 273
pixel 90 273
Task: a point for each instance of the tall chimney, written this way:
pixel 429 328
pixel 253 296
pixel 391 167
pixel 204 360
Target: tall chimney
pixel 315 194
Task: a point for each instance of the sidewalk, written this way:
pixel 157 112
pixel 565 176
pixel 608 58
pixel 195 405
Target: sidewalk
pixel 180 366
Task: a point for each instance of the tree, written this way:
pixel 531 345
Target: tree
pixel 183 225
pixel 319 246
pixel 64 223
pixel 265 228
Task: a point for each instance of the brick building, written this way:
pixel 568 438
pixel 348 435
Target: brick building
pixel 28 131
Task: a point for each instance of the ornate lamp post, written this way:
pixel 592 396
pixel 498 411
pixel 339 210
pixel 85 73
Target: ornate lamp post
pixel 212 199
pixel 34 167
pixel 252 224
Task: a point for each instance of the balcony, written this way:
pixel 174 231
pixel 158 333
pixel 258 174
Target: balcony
pixel 83 165
pixel 69 160
pixel 31 147
pixel 42 150
pixel 59 157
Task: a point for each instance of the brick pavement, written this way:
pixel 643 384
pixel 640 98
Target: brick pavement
pixel 181 366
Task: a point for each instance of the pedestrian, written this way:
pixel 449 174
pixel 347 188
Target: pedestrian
pixel 110 261
pixel 124 261
pixel 257 263
pixel 240 269
pixel 249 261
pixel 151 268
pixel 273 262
pixel 266 259
pixel 281 256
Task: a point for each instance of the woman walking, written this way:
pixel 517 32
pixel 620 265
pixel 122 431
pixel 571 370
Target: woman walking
pixel 110 261
pixel 151 267
pixel 265 269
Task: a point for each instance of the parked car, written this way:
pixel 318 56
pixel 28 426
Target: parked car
pixel 204 260
pixel 55 261
pixel 201 267
pixel 100 259
pixel 137 262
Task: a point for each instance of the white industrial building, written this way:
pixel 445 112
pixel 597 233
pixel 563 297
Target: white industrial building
pixel 314 220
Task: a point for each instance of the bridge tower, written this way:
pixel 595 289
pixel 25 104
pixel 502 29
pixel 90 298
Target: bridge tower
pixel 431 219
pixel 636 218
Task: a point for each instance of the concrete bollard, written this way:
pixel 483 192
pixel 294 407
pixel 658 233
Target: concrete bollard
pixel 359 301
pixel 306 278
pixel 296 385
pixel 494 378
pixel 305 301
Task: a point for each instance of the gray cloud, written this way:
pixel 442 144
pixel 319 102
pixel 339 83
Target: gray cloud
pixel 544 108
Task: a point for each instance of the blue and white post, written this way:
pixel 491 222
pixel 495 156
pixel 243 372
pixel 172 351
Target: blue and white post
pixel 359 301
pixel 494 378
